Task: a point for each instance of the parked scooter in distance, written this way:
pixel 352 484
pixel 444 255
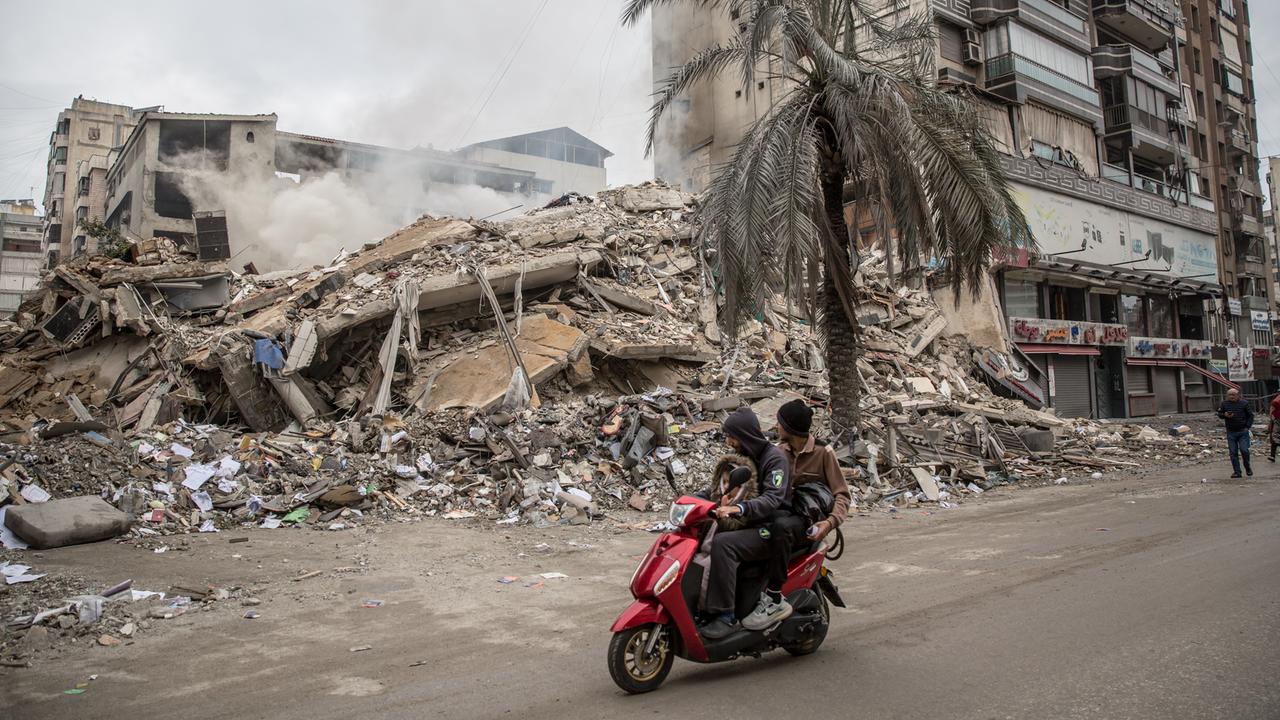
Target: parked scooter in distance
pixel 660 626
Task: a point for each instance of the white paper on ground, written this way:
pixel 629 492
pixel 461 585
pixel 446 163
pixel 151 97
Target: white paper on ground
pixel 136 595
pixel 7 538
pixel 207 527
pixel 553 576
pixel 202 501
pixel 181 450
pixel 14 574
pixel 228 467
pixel 146 448
pixel 197 475
pixel 35 494
pixel 271 523
pixel 228 486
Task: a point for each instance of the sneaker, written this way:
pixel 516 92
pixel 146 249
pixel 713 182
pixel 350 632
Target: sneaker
pixel 1249 472
pixel 719 628
pixel 767 613
pixel 1235 475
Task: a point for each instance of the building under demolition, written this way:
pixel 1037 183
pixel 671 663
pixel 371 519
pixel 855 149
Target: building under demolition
pixel 1129 135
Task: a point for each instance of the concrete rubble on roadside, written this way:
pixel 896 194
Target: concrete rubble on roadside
pixel 195 398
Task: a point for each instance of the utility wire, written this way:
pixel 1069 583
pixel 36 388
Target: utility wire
pixel 523 39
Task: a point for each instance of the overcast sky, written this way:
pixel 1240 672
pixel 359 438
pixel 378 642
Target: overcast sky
pixel 395 73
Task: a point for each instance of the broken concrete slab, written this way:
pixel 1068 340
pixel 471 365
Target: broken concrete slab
pixel 443 290
pixel 648 199
pixel 68 521
pixel 150 273
pixel 480 380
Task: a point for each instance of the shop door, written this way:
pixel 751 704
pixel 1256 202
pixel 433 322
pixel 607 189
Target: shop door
pixel 1166 388
pixel 1108 383
pixel 1071 378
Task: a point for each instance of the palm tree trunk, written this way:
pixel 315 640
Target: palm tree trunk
pixel 844 343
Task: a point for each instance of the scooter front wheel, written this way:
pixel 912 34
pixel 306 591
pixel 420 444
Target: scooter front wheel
pixel 639 661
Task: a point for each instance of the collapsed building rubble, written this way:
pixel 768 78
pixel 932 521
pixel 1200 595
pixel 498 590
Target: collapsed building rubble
pixel 550 368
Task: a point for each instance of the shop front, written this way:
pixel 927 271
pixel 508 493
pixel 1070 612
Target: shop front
pixel 1169 375
pixel 1081 363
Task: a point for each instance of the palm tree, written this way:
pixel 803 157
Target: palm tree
pixel 860 113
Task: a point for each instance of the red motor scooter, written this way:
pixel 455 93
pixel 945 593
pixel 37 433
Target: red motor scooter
pixel 659 626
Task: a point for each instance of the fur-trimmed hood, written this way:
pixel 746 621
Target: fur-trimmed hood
pixel 746 492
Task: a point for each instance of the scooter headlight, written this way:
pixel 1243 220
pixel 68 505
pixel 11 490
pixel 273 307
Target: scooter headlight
pixel 679 513
pixel 667 578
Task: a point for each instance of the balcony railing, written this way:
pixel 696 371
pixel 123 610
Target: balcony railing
pixel 1120 175
pixel 1002 66
pixel 1123 117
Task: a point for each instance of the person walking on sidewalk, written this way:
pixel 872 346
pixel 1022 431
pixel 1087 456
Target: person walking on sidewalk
pixel 1273 427
pixel 1238 418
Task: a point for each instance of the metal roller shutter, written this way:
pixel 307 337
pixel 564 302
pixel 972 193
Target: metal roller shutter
pixel 1071 378
pixel 1139 379
pixel 1166 385
pixel 1042 362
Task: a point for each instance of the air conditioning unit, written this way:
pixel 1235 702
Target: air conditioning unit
pixel 971 35
pixel 971 53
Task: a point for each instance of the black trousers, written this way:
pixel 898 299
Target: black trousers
pixel 728 551
pixel 785 530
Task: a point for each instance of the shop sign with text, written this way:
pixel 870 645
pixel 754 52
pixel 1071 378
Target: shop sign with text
pixel 1066 332
pixel 1170 348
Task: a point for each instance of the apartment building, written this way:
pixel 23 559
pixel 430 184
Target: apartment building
pixel 20 256
pixel 1134 305
pixel 85 130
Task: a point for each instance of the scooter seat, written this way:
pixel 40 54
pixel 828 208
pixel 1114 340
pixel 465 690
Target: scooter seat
pixel 804 549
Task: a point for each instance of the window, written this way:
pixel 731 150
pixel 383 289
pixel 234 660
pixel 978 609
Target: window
pixel 1042 50
pixel 950 38
pixel 1021 298
pixel 1195 56
pixel 248 137
pixel 1161 317
pixel 1135 314
pixel 1232 81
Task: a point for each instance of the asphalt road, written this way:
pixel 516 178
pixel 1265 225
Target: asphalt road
pixel 1157 598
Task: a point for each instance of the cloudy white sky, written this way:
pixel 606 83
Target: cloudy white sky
pixel 392 72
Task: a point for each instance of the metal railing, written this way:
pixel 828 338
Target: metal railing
pixel 1014 64
pixel 1117 174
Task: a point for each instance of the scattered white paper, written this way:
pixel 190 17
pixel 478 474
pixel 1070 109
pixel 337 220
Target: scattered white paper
pixel 7 538
pixel 228 467
pixel 35 494
pixel 136 595
pixel 146 448
pixel 227 485
pixel 161 549
pixel 181 450
pixel 207 527
pixel 198 475
pixel 14 573
pixel 202 501
pixel 678 467
pixel 164 488
pixel 553 576
pixel 271 523
pixel 663 452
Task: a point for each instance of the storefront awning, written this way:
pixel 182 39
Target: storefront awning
pixel 1046 349
pixel 1183 364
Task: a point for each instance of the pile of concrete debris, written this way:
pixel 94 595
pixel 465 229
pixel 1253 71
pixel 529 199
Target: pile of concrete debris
pixel 545 369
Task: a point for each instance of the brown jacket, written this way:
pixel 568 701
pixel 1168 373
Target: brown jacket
pixel 817 463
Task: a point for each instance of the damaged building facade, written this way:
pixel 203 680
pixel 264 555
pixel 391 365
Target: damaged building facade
pixel 20 257
pixel 1136 303
pixel 137 172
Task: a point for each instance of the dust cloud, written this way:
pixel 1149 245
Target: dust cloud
pixel 282 221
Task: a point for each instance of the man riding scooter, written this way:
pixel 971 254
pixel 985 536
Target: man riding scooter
pixel 730 549
pixel 810 465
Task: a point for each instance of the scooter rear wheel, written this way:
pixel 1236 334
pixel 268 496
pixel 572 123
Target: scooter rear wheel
pixel 631 668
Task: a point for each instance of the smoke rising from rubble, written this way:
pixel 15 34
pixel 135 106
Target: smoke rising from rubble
pixel 279 221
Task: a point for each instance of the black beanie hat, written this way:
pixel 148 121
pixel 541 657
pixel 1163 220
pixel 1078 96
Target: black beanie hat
pixel 795 417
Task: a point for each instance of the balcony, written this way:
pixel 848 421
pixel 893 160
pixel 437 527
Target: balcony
pixel 1148 23
pixel 1234 104
pixel 1117 174
pixel 1146 134
pixel 1016 78
pixel 1238 143
pixel 1125 59
pixel 1043 15
pixel 1243 222
pixel 1256 302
